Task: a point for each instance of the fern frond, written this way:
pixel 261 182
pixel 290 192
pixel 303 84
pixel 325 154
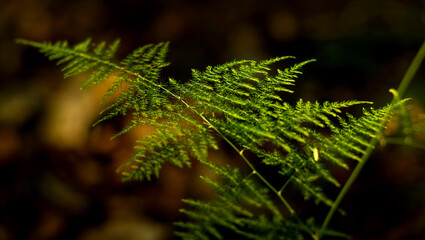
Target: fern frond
pixel 354 138
pixel 256 116
pixel 172 143
pixel 80 58
pixel 244 103
pixel 236 210
pixel 144 97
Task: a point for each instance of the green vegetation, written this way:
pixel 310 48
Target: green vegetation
pixel 243 104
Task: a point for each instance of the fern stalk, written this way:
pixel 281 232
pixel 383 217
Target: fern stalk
pixel 402 141
pixel 255 172
pixel 401 90
pixel 411 71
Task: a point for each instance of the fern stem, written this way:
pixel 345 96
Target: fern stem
pixel 347 185
pixel 286 184
pixel 405 142
pixel 254 170
pixel 405 82
pixel 413 67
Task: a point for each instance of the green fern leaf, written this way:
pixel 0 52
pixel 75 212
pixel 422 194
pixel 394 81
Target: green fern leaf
pixel 244 103
pixel 233 210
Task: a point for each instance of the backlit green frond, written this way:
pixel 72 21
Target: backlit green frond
pixel 173 144
pixel 352 140
pixel 144 98
pixel 244 103
pixel 242 207
pixel 80 58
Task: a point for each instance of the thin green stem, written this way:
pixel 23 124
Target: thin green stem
pixel 411 71
pixel 286 184
pixel 405 142
pixel 401 92
pixel 290 209
pixel 347 186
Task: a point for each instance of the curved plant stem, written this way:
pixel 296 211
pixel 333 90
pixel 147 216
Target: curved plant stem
pixel 401 92
pixel 405 82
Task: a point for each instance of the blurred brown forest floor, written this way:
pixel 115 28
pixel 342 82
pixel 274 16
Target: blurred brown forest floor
pixel 57 174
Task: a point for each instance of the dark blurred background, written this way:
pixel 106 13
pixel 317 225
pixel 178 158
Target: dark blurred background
pixel 57 173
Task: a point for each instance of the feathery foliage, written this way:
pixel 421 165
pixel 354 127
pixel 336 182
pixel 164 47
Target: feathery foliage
pixel 238 200
pixel 242 103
